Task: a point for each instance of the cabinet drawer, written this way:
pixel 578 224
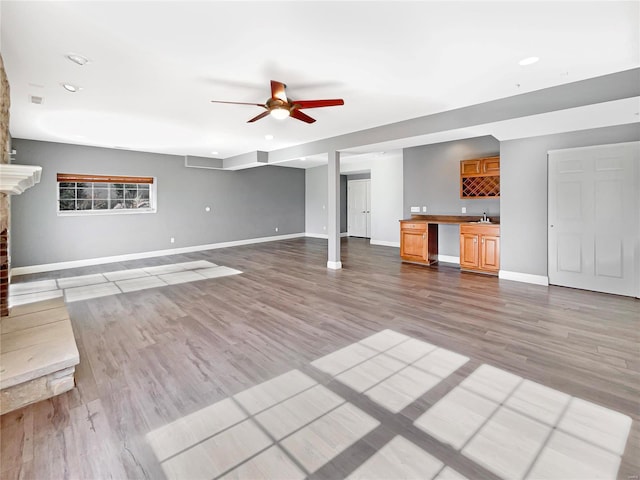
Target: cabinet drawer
pixel 421 227
pixel 480 229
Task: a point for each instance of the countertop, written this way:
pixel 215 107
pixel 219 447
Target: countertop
pixel 451 219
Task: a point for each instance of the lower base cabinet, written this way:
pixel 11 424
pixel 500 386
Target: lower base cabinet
pixel 480 248
pixel 418 242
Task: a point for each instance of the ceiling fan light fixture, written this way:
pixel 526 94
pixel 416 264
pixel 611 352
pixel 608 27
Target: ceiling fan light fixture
pixel 280 113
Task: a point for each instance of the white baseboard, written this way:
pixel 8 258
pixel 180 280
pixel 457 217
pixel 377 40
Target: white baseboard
pixel 48 267
pixel 323 235
pixel 384 243
pixel 448 259
pixel 334 265
pixel 524 277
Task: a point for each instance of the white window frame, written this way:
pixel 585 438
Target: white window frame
pixel 153 208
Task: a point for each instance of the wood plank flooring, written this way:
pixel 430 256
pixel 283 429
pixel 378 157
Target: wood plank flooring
pixel 152 357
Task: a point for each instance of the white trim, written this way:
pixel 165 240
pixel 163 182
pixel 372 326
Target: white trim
pixel 334 265
pixel 524 277
pixel 448 259
pixel 323 235
pixel 384 243
pixel 48 267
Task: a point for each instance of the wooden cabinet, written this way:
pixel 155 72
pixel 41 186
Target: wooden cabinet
pixel 480 178
pixel 480 248
pixel 418 242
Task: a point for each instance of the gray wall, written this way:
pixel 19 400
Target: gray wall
pixel 432 179
pixel 523 202
pixel 245 204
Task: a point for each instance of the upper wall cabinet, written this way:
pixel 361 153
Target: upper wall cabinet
pixel 480 178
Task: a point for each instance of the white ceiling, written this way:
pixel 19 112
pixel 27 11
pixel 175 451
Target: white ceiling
pixel 155 66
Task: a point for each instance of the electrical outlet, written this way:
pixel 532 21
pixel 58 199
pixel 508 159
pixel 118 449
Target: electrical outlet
pixel 172 240
pixel 276 229
pixel 415 209
pixel 424 209
pixel 464 209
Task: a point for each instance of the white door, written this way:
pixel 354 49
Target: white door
pixel 594 232
pixel 359 208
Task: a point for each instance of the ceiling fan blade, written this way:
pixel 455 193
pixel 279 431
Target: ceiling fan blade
pixel 318 103
pixel 277 90
pixel 295 113
pixel 240 103
pixel 258 117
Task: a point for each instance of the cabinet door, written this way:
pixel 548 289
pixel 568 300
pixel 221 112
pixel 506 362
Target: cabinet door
pixel 491 165
pixel 470 167
pixel 413 245
pixel 490 253
pixel 469 250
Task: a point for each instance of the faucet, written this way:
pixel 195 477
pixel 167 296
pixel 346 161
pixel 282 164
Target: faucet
pixel 484 216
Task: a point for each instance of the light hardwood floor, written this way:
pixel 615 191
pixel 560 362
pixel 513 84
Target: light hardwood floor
pixel 158 357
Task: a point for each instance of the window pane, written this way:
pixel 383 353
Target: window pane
pixel 67 193
pixel 100 193
pixel 67 205
pixel 84 185
pixel 67 185
pixel 84 204
pixel 131 193
pixel 143 186
pixel 117 193
pixel 130 204
pixel 84 192
pixel 117 185
pixel 143 195
pixel 131 185
pixel 100 204
pixel 115 204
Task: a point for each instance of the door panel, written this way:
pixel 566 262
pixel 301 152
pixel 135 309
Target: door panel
pixel 490 253
pixel 359 208
pixel 594 232
pixel 469 250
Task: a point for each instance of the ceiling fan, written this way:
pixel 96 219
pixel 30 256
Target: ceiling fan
pixel 281 107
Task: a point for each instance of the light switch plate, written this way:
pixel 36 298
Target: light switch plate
pixel 464 209
pixel 415 209
pixel 424 209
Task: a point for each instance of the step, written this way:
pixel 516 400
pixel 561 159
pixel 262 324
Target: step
pixel 38 354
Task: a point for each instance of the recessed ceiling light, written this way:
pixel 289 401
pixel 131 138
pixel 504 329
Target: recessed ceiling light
pixel 268 137
pixel 528 61
pixel 70 88
pixel 77 59
pixel 303 158
pixel 215 153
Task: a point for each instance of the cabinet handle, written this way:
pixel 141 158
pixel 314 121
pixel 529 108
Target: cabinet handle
pixel 483 240
pixel 475 240
pixel 424 236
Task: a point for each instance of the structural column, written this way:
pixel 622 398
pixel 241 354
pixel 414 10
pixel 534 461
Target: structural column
pixel 333 211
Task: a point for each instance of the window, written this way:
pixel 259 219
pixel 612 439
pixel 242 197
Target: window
pixel 105 194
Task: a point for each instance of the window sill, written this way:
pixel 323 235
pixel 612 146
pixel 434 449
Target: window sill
pixel 89 213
